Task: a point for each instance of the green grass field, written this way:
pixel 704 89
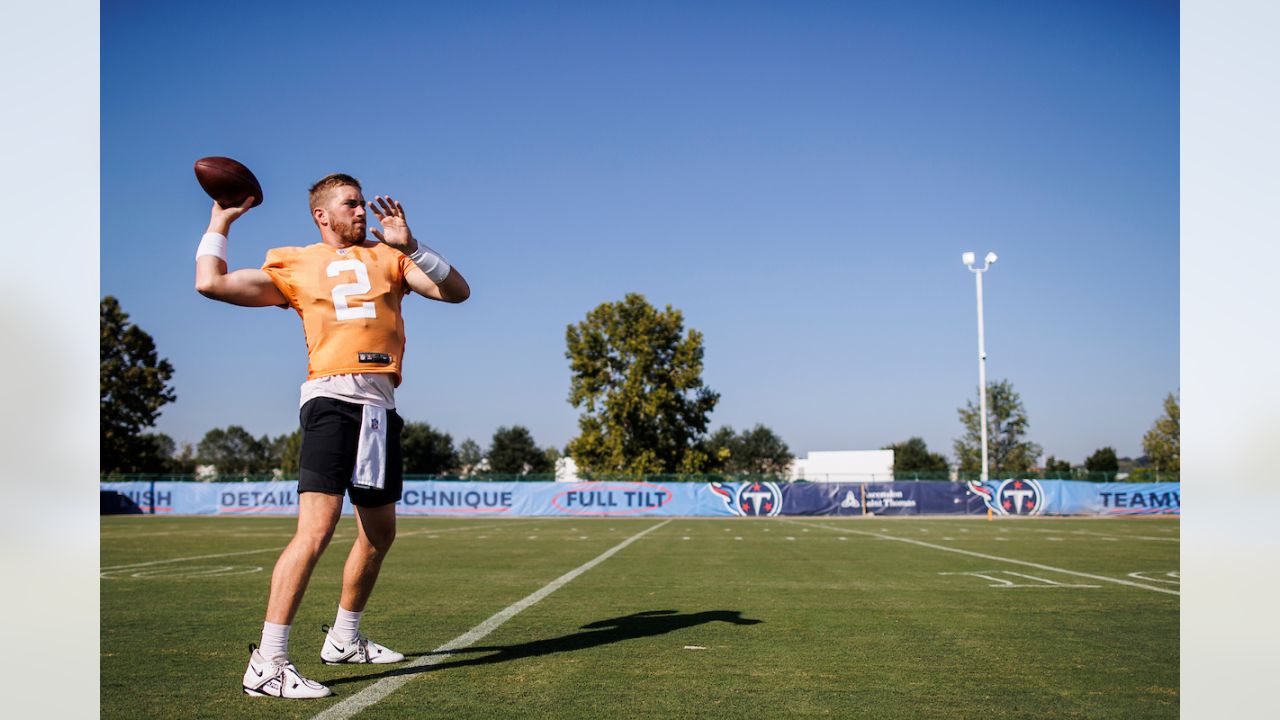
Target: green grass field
pixel 699 618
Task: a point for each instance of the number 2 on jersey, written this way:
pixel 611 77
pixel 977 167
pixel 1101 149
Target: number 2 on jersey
pixel 340 293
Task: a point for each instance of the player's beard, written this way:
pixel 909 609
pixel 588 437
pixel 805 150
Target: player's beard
pixel 350 233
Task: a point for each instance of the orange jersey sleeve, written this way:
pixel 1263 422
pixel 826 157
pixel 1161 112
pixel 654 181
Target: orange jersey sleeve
pixel 349 300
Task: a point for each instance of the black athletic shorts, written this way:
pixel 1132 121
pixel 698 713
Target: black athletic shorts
pixel 330 437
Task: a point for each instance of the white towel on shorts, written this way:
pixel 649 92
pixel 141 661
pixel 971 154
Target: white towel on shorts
pixel 371 453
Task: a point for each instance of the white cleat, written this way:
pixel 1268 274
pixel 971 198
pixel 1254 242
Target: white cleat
pixel 267 678
pixel 359 650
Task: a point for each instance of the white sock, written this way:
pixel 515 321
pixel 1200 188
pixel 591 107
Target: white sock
pixel 275 642
pixel 347 624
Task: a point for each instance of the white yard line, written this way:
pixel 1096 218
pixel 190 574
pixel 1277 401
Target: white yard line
pixel 996 558
pixel 1118 536
pixel 1090 533
pixel 388 685
pixel 1123 536
pixel 194 557
pixel 433 531
pixel 337 538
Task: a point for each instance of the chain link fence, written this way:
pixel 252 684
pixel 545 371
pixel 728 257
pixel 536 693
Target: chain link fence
pixel 1139 475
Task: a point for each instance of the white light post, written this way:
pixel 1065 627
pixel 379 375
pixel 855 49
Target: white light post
pixel 968 259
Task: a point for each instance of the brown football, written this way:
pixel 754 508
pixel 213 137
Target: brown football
pixel 227 181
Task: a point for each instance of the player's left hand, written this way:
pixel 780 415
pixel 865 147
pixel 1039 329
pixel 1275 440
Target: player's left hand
pixel 395 229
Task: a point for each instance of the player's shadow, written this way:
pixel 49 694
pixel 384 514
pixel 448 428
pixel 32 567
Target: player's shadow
pixel 602 632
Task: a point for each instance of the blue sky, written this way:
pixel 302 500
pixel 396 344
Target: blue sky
pixel 799 179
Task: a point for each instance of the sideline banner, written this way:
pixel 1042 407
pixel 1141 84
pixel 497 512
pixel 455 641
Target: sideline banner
pixel 625 499
pixel 1083 498
pixel 599 499
pixel 1075 497
pixel 197 498
pixel 430 497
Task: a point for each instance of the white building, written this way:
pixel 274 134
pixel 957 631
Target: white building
pixel 844 466
pixel 567 470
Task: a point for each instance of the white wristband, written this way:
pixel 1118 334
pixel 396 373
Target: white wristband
pixel 214 244
pixel 431 263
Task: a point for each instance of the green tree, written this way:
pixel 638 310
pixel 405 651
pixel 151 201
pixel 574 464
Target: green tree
pixel 1103 460
pixel 1008 450
pixel 638 378
pixel 185 461
pixel 427 451
pixel 914 455
pixel 757 451
pixel 155 453
pixel 1056 467
pixel 233 451
pixel 553 456
pixel 133 386
pixel 469 456
pixel 718 448
pixel 287 450
pixel 513 451
pixel 1161 443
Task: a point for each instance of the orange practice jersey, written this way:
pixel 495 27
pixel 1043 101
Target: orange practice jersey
pixel 349 300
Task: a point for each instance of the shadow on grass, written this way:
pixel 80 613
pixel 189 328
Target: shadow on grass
pixel 602 632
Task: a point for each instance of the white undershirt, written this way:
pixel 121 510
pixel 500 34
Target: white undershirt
pixel 362 388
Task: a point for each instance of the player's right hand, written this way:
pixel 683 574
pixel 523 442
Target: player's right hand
pixel 220 218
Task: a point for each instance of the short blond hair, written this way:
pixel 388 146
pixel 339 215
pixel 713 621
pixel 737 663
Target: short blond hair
pixel 329 182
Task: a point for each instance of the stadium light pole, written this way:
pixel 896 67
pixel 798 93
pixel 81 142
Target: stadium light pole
pixel 990 259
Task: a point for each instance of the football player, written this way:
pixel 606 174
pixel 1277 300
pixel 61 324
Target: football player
pixel 348 291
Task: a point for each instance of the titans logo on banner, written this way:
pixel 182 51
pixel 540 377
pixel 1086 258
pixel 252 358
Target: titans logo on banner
pixel 749 499
pixel 1011 497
